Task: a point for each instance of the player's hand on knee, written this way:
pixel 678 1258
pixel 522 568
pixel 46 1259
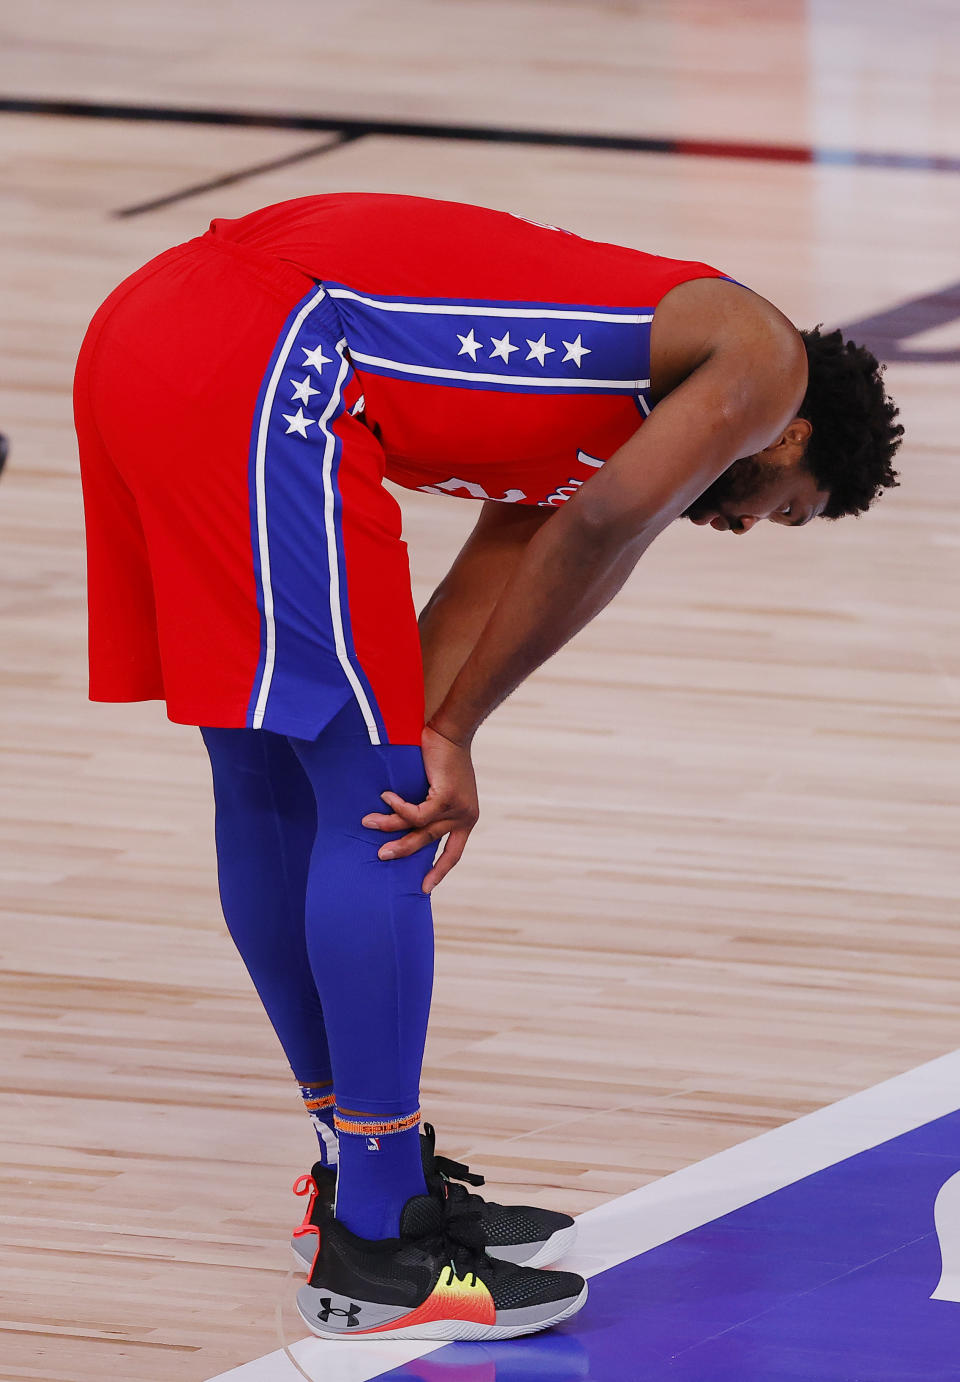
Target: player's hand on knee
pixel 451 808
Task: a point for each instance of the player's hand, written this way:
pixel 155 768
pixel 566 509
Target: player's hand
pixel 450 809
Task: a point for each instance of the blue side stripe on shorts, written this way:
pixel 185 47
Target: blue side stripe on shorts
pixel 307 665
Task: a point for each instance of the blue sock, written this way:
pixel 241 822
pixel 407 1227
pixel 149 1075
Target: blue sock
pixel 380 1168
pixel 318 1100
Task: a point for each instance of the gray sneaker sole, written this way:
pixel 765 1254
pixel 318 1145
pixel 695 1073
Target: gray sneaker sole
pixel 322 1311
pixel 551 1249
pixel 538 1254
pixel 304 1249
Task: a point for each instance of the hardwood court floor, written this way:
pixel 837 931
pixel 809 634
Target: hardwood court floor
pixel 715 885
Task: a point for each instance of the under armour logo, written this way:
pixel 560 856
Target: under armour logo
pixel 352 1315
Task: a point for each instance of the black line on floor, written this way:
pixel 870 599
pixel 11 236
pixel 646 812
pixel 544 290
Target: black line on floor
pixel 295 120
pixel 228 179
pixel 488 134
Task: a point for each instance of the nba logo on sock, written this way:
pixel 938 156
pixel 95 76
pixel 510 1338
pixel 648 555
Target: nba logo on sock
pixel 373 1144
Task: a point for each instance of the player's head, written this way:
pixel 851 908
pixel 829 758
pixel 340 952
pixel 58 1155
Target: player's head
pixel 834 458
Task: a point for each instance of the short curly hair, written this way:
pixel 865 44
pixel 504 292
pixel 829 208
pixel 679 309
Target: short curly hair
pixel 855 432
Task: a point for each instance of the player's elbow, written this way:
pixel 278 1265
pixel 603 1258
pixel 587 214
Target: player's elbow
pixel 607 517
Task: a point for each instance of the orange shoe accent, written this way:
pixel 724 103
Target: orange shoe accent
pixel 306 1185
pixel 453 1298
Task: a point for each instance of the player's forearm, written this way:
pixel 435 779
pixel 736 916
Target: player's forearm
pixel 450 624
pixel 455 615
pixel 568 573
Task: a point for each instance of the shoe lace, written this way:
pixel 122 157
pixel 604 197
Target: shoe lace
pixel 460 1239
pixel 460 1196
pixel 449 1172
pixel 455 1170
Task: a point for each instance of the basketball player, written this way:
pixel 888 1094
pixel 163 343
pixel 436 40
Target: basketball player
pixel 238 402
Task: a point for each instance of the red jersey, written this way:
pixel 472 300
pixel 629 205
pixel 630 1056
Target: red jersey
pixel 498 358
pixel 240 542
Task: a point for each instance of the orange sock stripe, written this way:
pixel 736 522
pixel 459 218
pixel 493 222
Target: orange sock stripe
pixel 370 1128
pixel 327 1101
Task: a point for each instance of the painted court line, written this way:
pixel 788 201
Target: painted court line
pixel 656 1213
pixel 351 129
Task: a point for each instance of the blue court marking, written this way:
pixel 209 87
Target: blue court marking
pixel 826 1280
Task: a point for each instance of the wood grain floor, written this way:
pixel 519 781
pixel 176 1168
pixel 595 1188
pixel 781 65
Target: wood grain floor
pixel 715 885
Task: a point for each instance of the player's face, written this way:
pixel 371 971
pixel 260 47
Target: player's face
pixel 756 488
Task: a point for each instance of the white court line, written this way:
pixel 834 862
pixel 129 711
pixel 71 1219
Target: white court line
pixel 654 1214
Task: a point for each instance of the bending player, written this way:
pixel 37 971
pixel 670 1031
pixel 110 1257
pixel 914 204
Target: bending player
pixel 246 566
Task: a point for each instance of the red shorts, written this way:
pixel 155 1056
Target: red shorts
pixel 245 563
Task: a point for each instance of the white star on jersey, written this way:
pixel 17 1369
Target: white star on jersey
pixel 316 359
pixel 576 350
pixel 539 350
pixel 502 347
pixel 299 422
pixel 469 345
pixel 302 389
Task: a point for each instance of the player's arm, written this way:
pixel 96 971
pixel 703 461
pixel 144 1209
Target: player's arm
pixel 453 618
pixel 734 403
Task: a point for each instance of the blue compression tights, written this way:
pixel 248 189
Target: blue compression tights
pixel 338 943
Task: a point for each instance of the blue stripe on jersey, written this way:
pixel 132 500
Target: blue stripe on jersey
pixel 523 347
pixel 308 666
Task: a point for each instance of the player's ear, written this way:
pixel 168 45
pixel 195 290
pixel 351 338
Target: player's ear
pixel 798 432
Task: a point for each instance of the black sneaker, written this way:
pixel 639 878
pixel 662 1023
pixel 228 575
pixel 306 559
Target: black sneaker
pixel 433 1282
pixel 522 1234
pixel 517 1233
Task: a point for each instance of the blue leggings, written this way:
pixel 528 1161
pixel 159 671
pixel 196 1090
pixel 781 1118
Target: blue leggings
pixel 338 943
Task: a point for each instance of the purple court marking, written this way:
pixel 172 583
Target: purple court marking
pixel 707 1196
pixel 826 1280
pixel 887 332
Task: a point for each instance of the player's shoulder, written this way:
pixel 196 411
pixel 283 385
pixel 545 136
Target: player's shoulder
pixel 725 314
pixel 721 320
pixel 722 302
